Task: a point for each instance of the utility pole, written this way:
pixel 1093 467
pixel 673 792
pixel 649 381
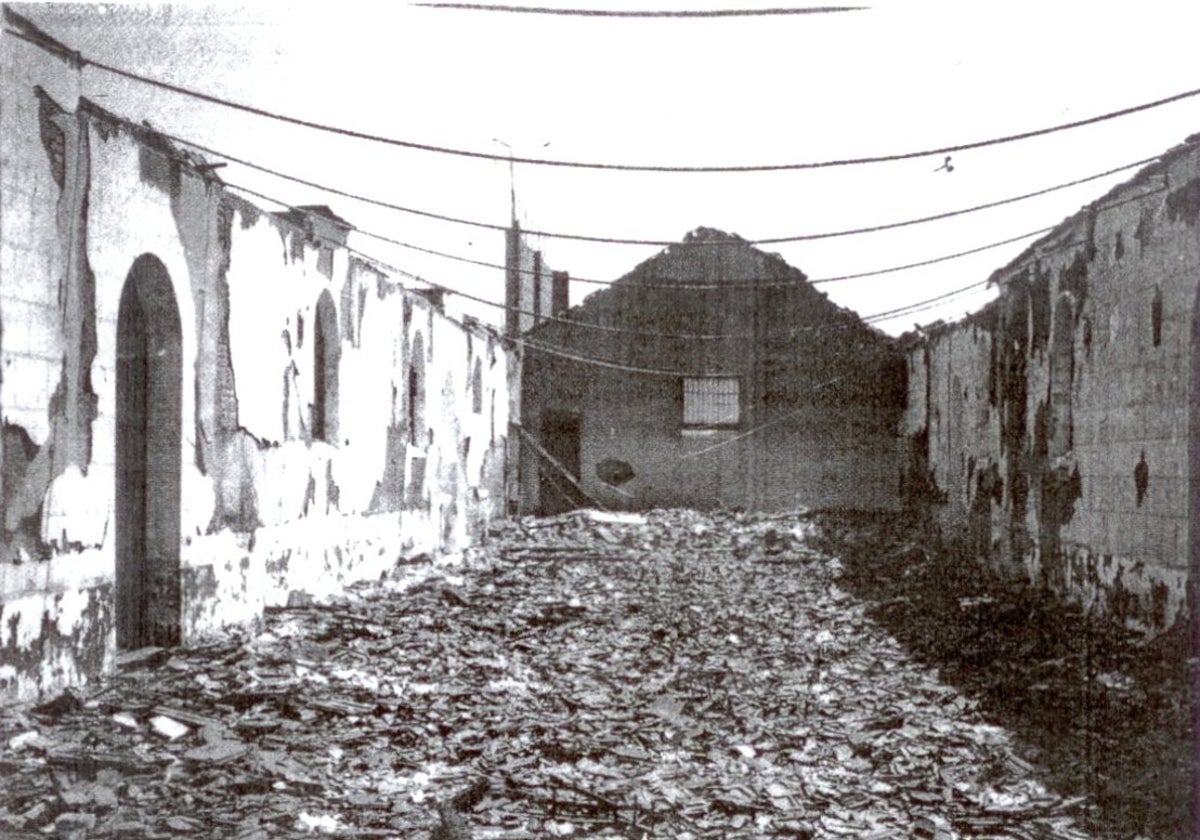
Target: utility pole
pixel 512 176
pixel 512 179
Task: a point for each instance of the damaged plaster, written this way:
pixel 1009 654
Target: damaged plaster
pixel 31 468
pixel 1071 468
pixel 279 491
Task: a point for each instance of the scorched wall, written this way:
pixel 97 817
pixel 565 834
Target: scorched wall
pixel 1051 431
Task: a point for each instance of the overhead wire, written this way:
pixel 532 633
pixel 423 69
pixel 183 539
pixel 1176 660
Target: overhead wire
pixel 774 421
pixel 525 341
pixel 943 258
pixel 874 317
pixel 611 240
pixel 732 284
pixel 639 13
pixel 559 352
pixel 522 341
pixel 84 61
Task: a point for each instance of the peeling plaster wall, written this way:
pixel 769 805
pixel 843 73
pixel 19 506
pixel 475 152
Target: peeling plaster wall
pixel 330 513
pixel 55 585
pixel 267 508
pixel 1053 427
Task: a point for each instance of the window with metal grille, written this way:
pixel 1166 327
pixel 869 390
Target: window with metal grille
pixel 710 402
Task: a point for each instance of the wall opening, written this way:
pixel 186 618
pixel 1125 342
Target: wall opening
pixel 416 392
pixel 561 434
pixel 711 402
pixel 1062 375
pixel 149 426
pixel 1141 479
pixel 326 355
pixel 1156 317
pixel 538 309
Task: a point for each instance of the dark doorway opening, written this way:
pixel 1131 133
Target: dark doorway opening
pixel 325 371
pixel 149 418
pixel 560 434
pixel 416 393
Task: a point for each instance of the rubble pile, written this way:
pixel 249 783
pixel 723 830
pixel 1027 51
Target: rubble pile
pixel 677 675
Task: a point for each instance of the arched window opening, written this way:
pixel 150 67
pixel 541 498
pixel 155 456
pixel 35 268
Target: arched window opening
pixel 149 428
pixel 477 388
pixel 326 355
pixel 416 392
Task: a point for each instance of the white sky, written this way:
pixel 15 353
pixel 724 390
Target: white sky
pixel 893 78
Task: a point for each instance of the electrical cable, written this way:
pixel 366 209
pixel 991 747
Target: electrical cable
pixel 575 357
pixel 86 61
pixel 606 363
pixel 767 284
pixel 609 240
pixel 868 319
pixel 885 315
pixel 626 13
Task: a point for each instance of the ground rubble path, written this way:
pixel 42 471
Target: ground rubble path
pixel 677 674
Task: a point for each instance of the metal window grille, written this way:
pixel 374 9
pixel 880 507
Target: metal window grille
pixel 711 401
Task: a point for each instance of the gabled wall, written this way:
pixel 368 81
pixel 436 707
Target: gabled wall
pixel 821 393
pixel 1052 429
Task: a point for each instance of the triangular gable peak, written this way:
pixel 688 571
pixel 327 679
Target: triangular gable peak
pixel 708 268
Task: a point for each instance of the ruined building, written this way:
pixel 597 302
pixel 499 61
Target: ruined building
pixel 712 375
pixel 207 407
pixel 1055 433
pixel 533 291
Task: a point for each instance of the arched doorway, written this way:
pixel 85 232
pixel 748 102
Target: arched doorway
pixel 149 417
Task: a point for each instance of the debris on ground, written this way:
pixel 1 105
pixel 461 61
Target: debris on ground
pixel 666 675
pixel 1105 711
